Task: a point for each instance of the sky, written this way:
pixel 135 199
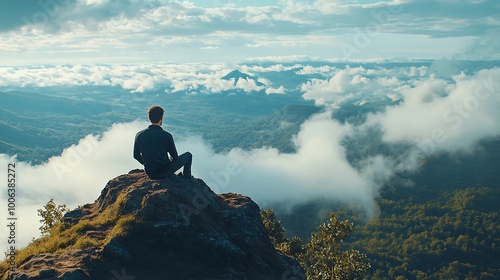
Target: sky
pixel 220 31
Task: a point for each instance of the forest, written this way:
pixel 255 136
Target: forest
pixel 420 233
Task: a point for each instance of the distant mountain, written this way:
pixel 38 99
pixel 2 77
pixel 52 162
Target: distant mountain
pixel 175 228
pixel 236 75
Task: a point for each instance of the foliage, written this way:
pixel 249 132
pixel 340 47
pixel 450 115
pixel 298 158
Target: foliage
pixel 434 234
pixel 51 214
pixel 273 226
pixel 419 232
pixel 63 236
pixel 323 257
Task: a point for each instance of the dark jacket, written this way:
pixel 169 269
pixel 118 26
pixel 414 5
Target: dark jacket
pixel 152 147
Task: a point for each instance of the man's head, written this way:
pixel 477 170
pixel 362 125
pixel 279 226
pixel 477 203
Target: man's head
pixel 155 114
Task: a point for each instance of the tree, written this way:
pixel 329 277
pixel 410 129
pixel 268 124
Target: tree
pixel 276 231
pixel 324 257
pixel 273 225
pixel 51 214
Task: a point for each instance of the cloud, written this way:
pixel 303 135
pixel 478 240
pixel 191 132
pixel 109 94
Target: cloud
pixel 484 47
pixel 282 59
pixel 439 115
pixel 432 115
pixel 75 177
pixel 336 83
pixel 176 17
pixel 280 90
pixel 349 85
pixel 270 176
pixel 204 78
pixel 425 111
pixel 310 70
pixel 270 68
pixel 78 175
pixel 136 30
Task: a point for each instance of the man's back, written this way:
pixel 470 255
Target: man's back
pixel 150 149
pixel 153 145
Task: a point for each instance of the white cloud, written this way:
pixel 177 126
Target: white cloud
pixel 282 58
pixel 318 169
pixel 136 78
pixel 93 2
pixel 280 90
pixel 484 47
pixel 433 115
pixel 310 70
pixel 270 68
pixel 75 177
pixel 352 84
pixel 453 112
pixel 269 176
pixel 441 115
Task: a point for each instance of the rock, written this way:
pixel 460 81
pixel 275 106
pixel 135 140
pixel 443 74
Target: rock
pixel 70 265
pixel 175 228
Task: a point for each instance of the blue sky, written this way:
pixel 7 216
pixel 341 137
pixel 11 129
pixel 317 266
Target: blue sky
pixel 221 31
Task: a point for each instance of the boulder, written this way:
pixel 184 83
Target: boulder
pixel 176 228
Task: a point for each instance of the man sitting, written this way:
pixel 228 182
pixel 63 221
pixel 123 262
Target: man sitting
pixel 153 146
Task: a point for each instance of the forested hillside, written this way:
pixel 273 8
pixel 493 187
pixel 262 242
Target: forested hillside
pixel 433 234
pixel 421 233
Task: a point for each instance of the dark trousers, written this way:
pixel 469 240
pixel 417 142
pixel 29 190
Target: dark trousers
pixel 186 159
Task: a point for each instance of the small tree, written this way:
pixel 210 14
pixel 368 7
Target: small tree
pixel 51 214
pixel 273 226
pixel 324 258
pixel 292 246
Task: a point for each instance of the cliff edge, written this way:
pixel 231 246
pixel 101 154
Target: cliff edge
pixel 175 228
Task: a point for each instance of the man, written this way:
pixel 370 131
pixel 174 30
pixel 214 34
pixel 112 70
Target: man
pixel 153 146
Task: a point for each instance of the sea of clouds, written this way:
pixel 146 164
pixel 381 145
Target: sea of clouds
pixel 430 113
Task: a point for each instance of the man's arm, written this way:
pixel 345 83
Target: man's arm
pixel 171 148
pixel 137 150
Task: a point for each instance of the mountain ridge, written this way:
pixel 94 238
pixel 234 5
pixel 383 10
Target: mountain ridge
pixel 237 75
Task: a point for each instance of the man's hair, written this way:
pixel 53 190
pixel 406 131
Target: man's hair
pixel 155 114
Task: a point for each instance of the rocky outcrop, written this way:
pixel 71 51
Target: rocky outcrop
pixel 175 228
